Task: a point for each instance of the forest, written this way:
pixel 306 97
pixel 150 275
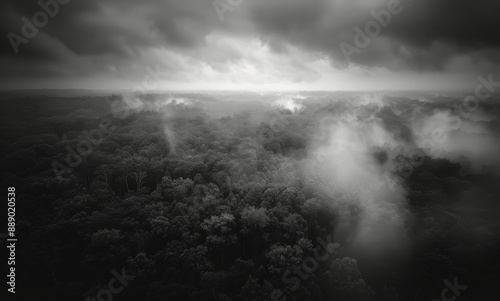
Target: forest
pixel 240 196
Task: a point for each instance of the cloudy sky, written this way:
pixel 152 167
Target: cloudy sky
pixel 249 44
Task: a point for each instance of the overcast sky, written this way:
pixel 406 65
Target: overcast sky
pixel 256 45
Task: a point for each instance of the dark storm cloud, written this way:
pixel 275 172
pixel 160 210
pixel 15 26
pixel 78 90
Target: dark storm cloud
pixel 472 24
pixel 462 26
pixel 84 36
pixel 91 27
pixel 113 30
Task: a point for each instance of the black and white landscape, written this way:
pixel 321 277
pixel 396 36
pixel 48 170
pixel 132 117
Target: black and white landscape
pixel 250 150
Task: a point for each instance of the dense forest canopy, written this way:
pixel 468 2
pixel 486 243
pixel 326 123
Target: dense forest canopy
pixel 225 196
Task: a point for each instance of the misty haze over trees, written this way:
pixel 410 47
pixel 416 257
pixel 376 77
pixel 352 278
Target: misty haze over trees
pixel 232 196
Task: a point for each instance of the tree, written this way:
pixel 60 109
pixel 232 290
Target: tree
pixel 253 218
pixel 220 231
pixel 282 258
pixel 106 171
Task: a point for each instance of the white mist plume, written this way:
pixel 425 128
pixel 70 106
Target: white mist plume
pixel 347 164
pixel 290 102
pixel 171 138
pixel 372 99
pixel 134 103
pixel 445 134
